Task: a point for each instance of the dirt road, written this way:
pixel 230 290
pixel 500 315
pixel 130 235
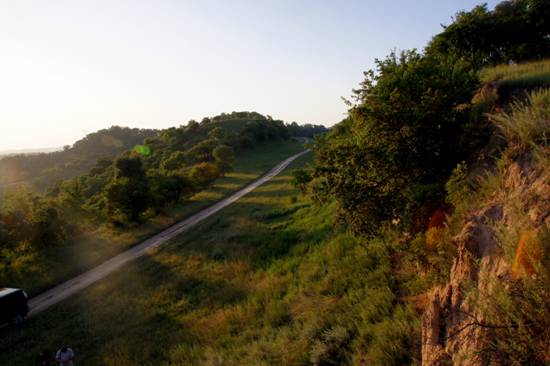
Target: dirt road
pixel 66 289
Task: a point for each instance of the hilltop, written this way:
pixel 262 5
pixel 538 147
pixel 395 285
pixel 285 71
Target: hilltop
pixel 41 169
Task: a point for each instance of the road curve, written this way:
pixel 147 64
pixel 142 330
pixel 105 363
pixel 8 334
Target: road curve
pixel 78 283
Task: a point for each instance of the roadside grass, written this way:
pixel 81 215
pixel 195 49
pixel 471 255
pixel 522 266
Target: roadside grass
pixel 525 75
pixel 266 281
pixel 52 266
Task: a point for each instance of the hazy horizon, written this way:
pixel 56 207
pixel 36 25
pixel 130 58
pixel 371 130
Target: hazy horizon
pixel 69 68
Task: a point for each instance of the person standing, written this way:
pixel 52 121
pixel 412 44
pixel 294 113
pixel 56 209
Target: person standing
pixel 65 356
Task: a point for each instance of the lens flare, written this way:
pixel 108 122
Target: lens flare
pixel 142 150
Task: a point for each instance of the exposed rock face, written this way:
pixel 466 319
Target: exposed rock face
pixel 449 332
pixel 454 331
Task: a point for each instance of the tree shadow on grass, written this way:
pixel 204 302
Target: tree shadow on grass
pixel 260 238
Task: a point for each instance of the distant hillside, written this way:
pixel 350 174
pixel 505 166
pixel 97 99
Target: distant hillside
pixel 4 153
pixel 41 169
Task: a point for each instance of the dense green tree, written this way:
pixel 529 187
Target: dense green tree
pixel 30 221
pixel 204 173
pixel 224 157
pixel 515 30
pixel 176 161
pixel 402 141
pixel 306 130
pixel 48 228
pixel 301 178
pixel 127 195
pixel 203 150
pixel 217 133
pixel 168 189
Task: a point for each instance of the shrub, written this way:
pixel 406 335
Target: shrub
pixel 204 173
pixel 300 179
pixel 459 187
pixel 224 157
pixel 435 237
pixel 395 340
pixel 277 314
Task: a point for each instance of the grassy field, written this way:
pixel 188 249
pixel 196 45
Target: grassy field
pixel 526 75
pixel 266 281
pixel 61 263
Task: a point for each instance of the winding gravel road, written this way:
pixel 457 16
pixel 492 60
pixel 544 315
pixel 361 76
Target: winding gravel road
pixel 53 296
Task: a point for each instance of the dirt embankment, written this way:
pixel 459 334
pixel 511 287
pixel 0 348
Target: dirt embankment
pixel 456 330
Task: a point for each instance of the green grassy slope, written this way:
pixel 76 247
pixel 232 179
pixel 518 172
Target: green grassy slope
pixel 525 75
pixel 61 263
pixel 267 281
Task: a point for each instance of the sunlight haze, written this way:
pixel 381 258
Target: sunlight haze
pixel 72 67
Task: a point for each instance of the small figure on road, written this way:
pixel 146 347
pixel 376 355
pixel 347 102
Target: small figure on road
pixel 65 356
pixel 43 359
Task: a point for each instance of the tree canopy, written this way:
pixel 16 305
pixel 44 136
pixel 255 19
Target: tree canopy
pixel 516 30
pixel 403 136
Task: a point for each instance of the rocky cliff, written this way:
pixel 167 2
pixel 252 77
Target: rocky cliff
pixel 498 254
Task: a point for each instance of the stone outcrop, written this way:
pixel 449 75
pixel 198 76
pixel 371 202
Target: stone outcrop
pixel 454 331
pixel 449 332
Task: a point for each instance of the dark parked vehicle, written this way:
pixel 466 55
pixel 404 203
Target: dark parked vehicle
pixel 13 305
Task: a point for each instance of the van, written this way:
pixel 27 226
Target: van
pixel 13 305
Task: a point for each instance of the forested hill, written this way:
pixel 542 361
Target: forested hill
pixel 40 171
pixel 150 184
pixel 133 175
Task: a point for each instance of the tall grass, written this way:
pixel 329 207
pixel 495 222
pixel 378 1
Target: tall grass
pixel 528 75
pixel 527 126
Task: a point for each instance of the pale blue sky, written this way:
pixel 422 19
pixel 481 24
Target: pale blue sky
pixel 72 67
